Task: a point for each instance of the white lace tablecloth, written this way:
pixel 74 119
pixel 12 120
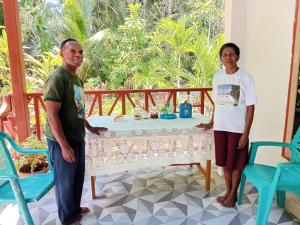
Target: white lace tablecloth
pixel 135 144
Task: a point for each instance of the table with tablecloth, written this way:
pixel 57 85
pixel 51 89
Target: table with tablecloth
pixel 134 144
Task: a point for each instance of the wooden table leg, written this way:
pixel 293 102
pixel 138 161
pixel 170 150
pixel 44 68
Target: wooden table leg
pixel 207 175
pixel 206 172
pixel 93 180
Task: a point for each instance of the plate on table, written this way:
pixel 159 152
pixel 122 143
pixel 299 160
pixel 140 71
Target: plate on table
pixel 168 116
pixel 119 119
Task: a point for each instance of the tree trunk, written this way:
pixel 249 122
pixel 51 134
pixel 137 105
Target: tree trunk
pixel 169 8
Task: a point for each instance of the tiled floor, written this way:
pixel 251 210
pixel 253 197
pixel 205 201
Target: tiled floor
pixel 154 196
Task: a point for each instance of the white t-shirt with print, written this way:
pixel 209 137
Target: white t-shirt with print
pixel 232 93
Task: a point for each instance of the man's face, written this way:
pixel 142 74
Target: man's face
pixel 72 54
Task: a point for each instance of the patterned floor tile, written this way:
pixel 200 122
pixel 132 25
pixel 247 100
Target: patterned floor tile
pixel 154 196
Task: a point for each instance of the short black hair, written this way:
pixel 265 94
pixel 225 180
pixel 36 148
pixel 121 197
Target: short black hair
pixel 230 45
pixel 64 42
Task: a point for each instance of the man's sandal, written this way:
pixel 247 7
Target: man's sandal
pixel 84 210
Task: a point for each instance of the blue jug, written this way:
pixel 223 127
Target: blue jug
pixel 185 110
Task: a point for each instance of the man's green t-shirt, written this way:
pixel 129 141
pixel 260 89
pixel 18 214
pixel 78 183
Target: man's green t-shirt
pixel 63 87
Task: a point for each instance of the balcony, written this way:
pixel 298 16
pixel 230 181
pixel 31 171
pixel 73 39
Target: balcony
pixel 106 102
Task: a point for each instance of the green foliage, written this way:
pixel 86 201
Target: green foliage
pixel 117 55
pixel 1 14
pixel 207 14
pixel 5 84
pixel 37 19
pixel 40 67
pixel 75 20
pixel 108 14
pixel 206 62
pixel 32 142
pixel 175 37
pixel 155 44
pixel 31 162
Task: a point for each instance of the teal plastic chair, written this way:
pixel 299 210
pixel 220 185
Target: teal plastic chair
pixel 285 177
pixel 14 189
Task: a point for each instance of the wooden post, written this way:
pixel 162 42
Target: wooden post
pixel 93 181
pixel 12 24
pixel 207 175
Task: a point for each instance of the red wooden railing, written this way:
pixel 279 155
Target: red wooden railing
pixel 125 99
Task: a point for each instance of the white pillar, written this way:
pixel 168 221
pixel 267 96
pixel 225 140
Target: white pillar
pixel 235 24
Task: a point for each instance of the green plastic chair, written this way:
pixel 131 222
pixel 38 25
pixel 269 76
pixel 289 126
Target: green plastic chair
pixel 285 177
pixel 14 189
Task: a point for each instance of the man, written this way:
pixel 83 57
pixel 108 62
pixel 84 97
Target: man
pixel 65 132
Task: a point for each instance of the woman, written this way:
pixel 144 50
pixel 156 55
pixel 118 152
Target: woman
pixel 234 96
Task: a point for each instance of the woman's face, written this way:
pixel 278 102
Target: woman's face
pixel 229 58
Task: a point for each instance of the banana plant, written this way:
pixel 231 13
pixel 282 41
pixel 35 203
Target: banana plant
pixel 40 68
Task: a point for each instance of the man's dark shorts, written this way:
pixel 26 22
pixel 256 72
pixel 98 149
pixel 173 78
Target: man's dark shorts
pixel 227 154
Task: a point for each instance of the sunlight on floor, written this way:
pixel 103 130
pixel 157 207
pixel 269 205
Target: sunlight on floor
pixel 9 214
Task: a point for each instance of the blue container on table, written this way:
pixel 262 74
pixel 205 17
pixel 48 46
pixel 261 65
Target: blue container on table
pixel 185 110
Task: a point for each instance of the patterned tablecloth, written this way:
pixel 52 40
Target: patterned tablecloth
pixel 134 144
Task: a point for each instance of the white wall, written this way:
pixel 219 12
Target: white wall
pixel 263 30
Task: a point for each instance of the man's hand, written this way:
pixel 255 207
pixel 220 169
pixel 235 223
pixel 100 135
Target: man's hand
pixel 94 130
pixel 97 130
pixel 206 126
pixel 244 139
pixel 68 154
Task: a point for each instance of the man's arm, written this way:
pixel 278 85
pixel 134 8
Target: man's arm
pixel 248 123
pixel 52 110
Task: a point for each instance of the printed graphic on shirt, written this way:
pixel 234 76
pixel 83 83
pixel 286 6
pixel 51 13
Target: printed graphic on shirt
pixel 228 94
pixel 79 100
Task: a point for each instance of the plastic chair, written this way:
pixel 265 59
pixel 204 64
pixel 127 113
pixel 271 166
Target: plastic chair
pixel 14 189
pixel 285 177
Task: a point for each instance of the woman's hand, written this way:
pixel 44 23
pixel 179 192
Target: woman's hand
pixel 244 139
pixel 206 126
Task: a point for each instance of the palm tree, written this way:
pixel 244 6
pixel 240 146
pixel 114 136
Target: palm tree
pixel 206 62
pixel 176 36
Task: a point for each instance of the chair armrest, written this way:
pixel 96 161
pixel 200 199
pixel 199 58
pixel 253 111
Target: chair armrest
pixel 256 144
pixel 288 165
pixel 32 151
pixel 8 177
pixel 23 150
pixel 27 151
pixel 270 143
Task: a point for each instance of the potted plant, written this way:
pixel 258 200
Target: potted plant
pixel 27 164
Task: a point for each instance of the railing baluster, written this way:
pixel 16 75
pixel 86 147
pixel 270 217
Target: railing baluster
pixel 114 104
pixel 99 97
pixel 130 100
pixel 202 102
pixel 174 101
pixel 152 100
pixel 92 105
pixel 123 104
pixel 147 101
pixel 209 97
pixel 169 97
pixel 40 100
pixel 37 117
